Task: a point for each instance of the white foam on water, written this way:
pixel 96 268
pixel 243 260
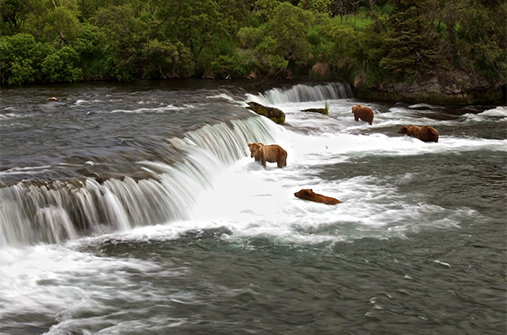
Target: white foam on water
pixel 13 115
pixel 423 106
pixel 227 97
pixel 60 282
pixel 26 169
pixel 43 278
pixel 498 114
pixel 252 202
pixel 81 102
pixel 163 109
pixel 500 111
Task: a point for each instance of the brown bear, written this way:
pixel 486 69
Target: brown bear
pixel 363 113
pixel 308 194
pixel 268 153
pixel 425 133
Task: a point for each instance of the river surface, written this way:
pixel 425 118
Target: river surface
pixel 136 209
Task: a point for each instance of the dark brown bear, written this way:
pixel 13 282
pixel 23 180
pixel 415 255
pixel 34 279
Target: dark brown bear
pixel 425 133
pixel 308 194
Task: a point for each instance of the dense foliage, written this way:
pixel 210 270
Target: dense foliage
pixel 372 41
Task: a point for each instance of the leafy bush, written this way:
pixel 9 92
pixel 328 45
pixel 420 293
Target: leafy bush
pixel 25 61
pixel 229 67
pixel 59 67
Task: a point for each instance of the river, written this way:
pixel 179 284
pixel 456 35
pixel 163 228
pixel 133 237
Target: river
pixel 136 209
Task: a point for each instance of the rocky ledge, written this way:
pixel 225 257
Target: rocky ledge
pixel 450 88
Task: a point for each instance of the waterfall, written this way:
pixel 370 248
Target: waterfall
pixel 52 212
pixel 302 93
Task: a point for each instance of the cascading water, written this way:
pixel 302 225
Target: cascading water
pixel 62 210
pixel 153 191
pixel 302 93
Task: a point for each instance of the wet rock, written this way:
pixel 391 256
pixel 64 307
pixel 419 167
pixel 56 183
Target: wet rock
pixel 272 113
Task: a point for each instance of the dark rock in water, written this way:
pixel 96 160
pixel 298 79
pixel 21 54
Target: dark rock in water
pixel 272 113
pixel 316 110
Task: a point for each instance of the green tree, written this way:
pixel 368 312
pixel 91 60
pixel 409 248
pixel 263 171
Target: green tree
pixel 282 44
pixel 59 67
pixel 13 15
pixel 192 22
pixel 411 52
pixel 90 46
pixel 339 48
pixel 124 34
pixel 263 10
pixel 17 63
pixel 24 61
pixel 162 59
pixel 319 6
pixel 481 46
pixel 52 22
pixel 229 66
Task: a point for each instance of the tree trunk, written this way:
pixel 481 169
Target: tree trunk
pixel 372 11
pixel 60 32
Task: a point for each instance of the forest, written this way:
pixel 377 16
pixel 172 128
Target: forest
pixel 368 43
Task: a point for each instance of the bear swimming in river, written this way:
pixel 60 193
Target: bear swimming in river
pixel 308 194
pixel 425 133
pixel 268 153
pixel 363 113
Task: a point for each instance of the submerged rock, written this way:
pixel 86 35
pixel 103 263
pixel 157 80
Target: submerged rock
pixel 272 113
pixel 316 110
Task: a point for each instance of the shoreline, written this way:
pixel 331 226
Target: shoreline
pixel 396 92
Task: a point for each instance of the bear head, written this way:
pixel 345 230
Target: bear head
pixel 404 130
pixel 304 193
pixel 356 108
pixel 254 147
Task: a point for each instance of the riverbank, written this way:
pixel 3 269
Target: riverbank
pixel 434 90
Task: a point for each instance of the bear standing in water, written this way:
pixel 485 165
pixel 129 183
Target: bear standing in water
pixel 363 113
pixel 425 133
pixel 268 153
